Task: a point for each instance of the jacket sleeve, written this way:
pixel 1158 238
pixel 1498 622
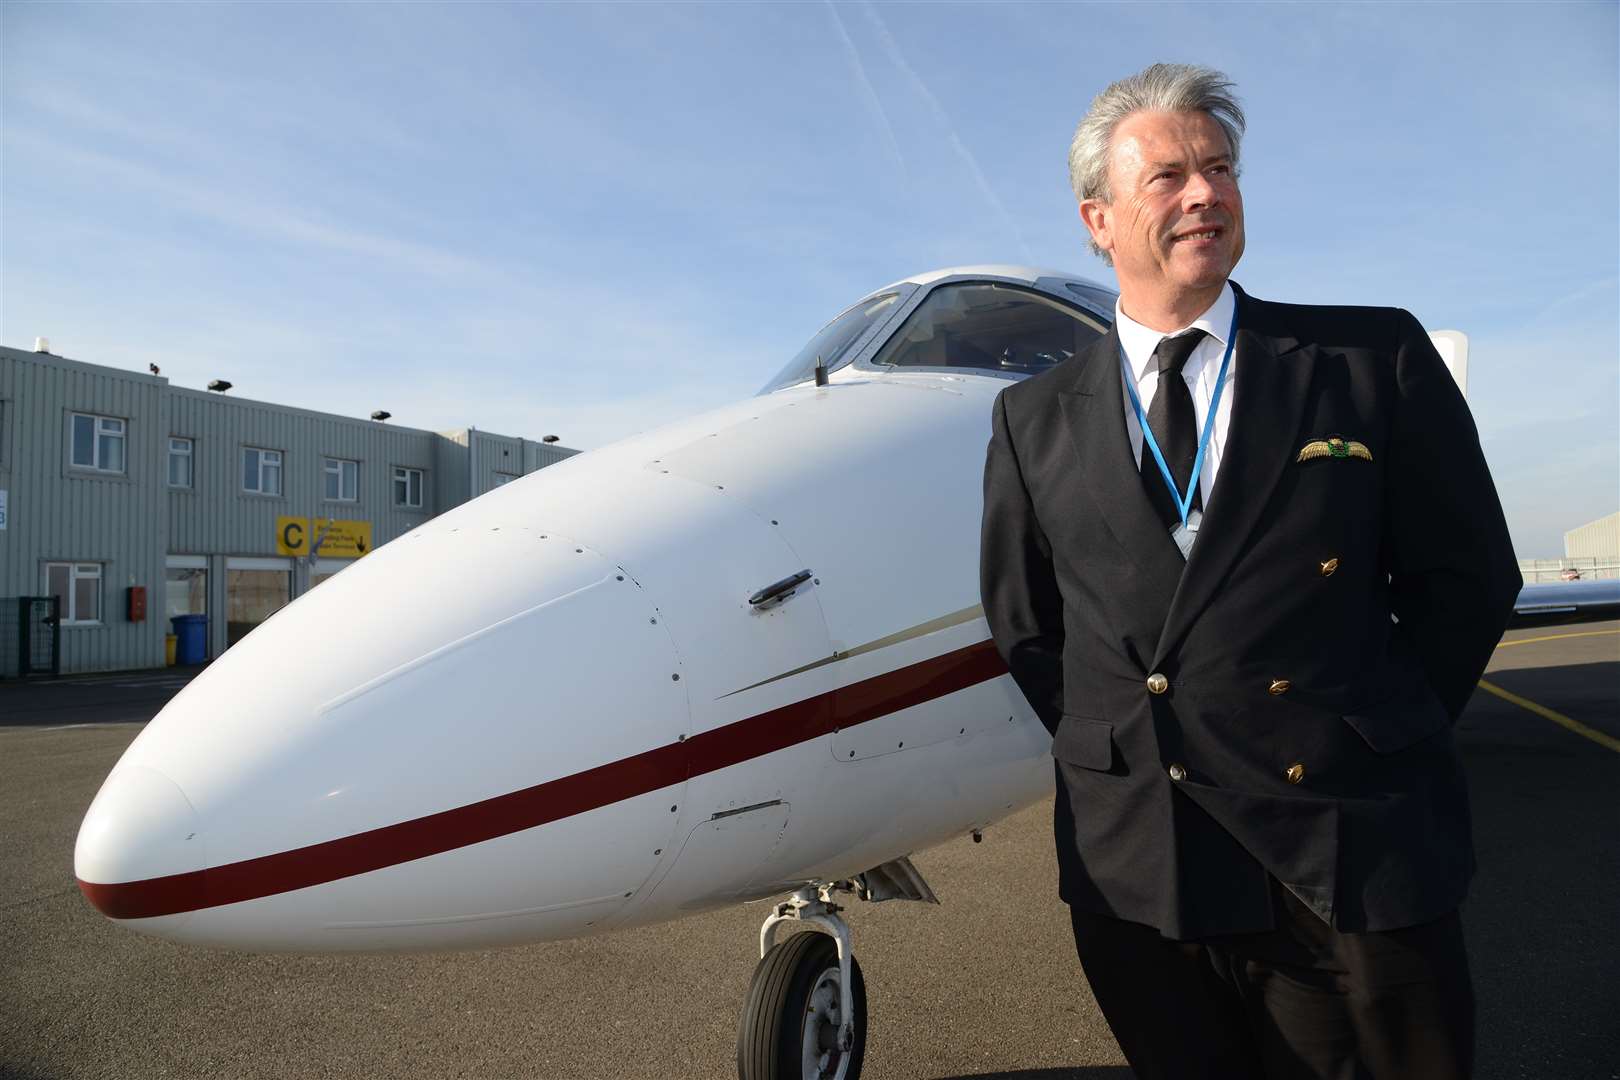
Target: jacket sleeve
pixel 1453 574
pixel 1017 581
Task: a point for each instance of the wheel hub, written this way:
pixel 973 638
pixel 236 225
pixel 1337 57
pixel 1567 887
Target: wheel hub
pixel 823 1057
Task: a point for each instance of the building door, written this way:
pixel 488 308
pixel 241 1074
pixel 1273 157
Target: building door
pixel 185 587
pixel 38 637
pixel 255 589
pixel 321 569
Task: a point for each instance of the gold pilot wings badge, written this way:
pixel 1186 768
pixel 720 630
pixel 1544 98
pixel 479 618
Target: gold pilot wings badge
pixel 1334 446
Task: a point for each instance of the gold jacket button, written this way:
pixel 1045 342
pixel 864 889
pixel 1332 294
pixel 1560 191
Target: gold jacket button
pixel 1157 684
pixel 1330 566
pixel 1280 686
pixel 1296 773
pixel 1177 773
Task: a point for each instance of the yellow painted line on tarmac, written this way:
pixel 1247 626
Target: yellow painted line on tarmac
pixel 1560 719
pixel 1555 637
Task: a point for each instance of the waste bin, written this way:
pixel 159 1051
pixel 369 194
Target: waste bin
pixel 169 644
pixel 192 632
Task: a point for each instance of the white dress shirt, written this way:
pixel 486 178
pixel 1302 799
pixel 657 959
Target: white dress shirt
pixel 1136 345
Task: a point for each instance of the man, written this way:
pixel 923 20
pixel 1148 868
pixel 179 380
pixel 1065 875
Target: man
pixel 1248 579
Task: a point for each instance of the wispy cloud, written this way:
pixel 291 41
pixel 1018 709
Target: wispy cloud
pixel 942 118
pixel 240 211
pixel 80 112
pixel 201 97
pixel 1579 300
pixel 868 92
pixel 496 375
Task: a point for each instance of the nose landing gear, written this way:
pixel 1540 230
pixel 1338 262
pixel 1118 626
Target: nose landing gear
pixel 805 1014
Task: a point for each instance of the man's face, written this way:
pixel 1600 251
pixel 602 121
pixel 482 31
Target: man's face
pixel 1174 226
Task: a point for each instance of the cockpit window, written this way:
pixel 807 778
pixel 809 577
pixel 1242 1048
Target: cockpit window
pixel 833 344
pixel 1094 297
pixel 990 327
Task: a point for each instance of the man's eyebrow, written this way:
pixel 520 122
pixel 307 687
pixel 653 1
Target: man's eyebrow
pixel 1179 163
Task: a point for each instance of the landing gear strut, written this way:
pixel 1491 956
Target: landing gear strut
pixel 805 1014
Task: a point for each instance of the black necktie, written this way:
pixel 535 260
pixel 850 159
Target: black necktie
pixel 1174 426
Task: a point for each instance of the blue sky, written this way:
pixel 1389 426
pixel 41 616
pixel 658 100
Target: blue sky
pixel 589 219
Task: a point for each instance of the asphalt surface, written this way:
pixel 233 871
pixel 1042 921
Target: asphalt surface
pixel 983 986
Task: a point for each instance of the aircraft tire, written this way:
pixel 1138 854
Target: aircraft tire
pixel 781 998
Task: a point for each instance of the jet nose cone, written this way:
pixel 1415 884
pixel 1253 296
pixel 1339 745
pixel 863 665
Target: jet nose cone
pixel 139 844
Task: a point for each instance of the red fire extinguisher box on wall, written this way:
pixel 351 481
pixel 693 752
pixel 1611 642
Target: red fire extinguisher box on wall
pixel 135 597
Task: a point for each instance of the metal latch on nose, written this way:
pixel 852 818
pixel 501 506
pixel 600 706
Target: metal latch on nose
pixel 780 591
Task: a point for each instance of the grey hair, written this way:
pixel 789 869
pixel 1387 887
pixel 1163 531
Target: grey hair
pixel 1159 88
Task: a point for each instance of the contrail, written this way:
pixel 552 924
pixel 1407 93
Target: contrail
pixel 1603 286
pixel 944 121
pixel 867 89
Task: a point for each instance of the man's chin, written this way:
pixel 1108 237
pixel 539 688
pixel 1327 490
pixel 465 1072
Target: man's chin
pixel 1204 272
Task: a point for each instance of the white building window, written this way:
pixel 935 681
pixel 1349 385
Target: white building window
pixel 342 479
pixel 261 470
pixel 98 442
pixel 180 459
pixel 77 588
pixel 408 487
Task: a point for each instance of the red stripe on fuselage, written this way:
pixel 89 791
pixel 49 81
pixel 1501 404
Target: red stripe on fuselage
pixel 554 800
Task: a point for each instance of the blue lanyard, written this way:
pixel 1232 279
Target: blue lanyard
pixel 1184 502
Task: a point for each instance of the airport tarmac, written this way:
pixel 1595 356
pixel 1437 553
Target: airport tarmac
pixel 983 986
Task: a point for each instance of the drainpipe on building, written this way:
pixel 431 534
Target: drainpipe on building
pixel 306 561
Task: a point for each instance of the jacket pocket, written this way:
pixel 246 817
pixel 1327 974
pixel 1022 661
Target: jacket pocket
pixel 1085 742
pixel 1394 725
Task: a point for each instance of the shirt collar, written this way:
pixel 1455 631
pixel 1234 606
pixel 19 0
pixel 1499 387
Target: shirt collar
pixel 1138 341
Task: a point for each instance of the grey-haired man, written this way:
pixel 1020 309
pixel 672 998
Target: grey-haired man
pixel 1247 563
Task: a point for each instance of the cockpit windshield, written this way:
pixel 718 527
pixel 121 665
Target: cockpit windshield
pixel 990 327
pixel 832 347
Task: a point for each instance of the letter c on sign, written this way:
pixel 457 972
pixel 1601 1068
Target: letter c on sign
pixel 293 535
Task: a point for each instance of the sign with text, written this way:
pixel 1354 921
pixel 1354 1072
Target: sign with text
pixel 327 538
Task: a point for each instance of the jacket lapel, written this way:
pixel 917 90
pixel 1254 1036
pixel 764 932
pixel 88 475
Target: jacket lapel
pixel 1270 390
pixel 1094 410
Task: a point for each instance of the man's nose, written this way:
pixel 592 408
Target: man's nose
pixel 1199 193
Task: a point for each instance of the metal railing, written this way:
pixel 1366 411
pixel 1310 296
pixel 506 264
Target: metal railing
pixel 1590 568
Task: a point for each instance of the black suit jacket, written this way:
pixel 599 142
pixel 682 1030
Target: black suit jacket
pixel 1087 595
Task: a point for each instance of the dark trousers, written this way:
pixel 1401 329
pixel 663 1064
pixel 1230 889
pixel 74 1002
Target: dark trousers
pixel 1301 1001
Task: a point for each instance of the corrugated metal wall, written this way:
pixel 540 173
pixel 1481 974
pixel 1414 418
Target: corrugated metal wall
pixel 131 522
pixel 218 516
pixel 1599 539
pixel 1596 540
pixel 498 458
pixel 57 513
pixel 539 455
pixel 450 476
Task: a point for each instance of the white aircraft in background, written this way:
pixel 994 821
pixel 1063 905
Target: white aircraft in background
pixel 738 656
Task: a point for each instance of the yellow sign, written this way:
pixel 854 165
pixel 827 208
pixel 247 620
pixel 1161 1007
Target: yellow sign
pixel 327 538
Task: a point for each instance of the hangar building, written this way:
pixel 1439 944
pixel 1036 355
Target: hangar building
pixel 125 501
pixel 1597 541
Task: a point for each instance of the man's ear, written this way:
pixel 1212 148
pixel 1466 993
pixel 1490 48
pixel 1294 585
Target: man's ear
pixel 1099 221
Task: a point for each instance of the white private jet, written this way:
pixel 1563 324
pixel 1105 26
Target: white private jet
pixel 739 656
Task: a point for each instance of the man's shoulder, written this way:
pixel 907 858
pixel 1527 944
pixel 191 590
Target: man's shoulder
pixel 1344 326
pixel 1043 390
